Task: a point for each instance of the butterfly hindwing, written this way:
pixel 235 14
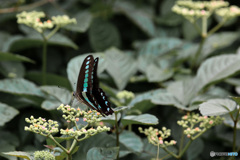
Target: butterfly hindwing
pixel 103 103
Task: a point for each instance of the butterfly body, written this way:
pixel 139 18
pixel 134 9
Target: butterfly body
pixel 88 91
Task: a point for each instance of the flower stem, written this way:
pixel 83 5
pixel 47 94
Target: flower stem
pixel 157 152
pixel 58 144
pixel 52 32
pixel 171 153
pixel 198 52
pixel 44 60
pixel 219 25
pixel 117 133
pixel 181 141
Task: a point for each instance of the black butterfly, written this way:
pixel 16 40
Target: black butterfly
pixel 88 91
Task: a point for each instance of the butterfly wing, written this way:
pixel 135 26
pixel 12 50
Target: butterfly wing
pixel 85 83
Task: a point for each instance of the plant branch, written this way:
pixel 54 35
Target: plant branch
pixel 24 7
pixel 235 131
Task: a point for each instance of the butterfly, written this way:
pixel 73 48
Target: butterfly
pixel 88 91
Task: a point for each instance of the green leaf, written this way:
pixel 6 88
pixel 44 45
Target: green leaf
pixel 170 19
pixel 75 64
pixel 51 104
pixel 12 69
pixel 131 141
pixel 20 155
pixel 5 56
pixel 145 96
pixel 100 140
pixel 103 35
pixel 4 148
pixel 236 99
pixel 20 86
pixel 195 149
pixel 84 20
pixel 144 119
pixel 233 81
pixel 4 36
pixel 150 51
pixel 218 41
pixel 167 98
pixel 17 43
pixel 119 109
pixel 216 68
pixel 52 79
pixel 216 107
pixel 111 118
pixel 102 153
pixel 138 16
pixel 61 94
pixel 229 122
pixel 7 113
pixel 156 74
pixel 120 66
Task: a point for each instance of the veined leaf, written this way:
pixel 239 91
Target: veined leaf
pixel 141 18
pixel 216 107
pixel 120 66
pixel 218 41
pixel 12 69
pixel 131 141
pixel 102 153
pixel 103 35
pixel 145 119
pixel 20 86
pixel 7 113
pixel 101 140
pixel 156 74
pixel 217 68
pixel 17 43
pixel 51 79
pixel 61 94
pixel 150 51
pixel 84 20
pixel 19 154
pixel 5 56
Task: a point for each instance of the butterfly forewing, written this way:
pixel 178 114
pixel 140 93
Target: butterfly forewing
pixel 88 90
pixel 85 83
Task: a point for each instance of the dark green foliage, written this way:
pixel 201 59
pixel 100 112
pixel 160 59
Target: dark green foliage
pixel 143 47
